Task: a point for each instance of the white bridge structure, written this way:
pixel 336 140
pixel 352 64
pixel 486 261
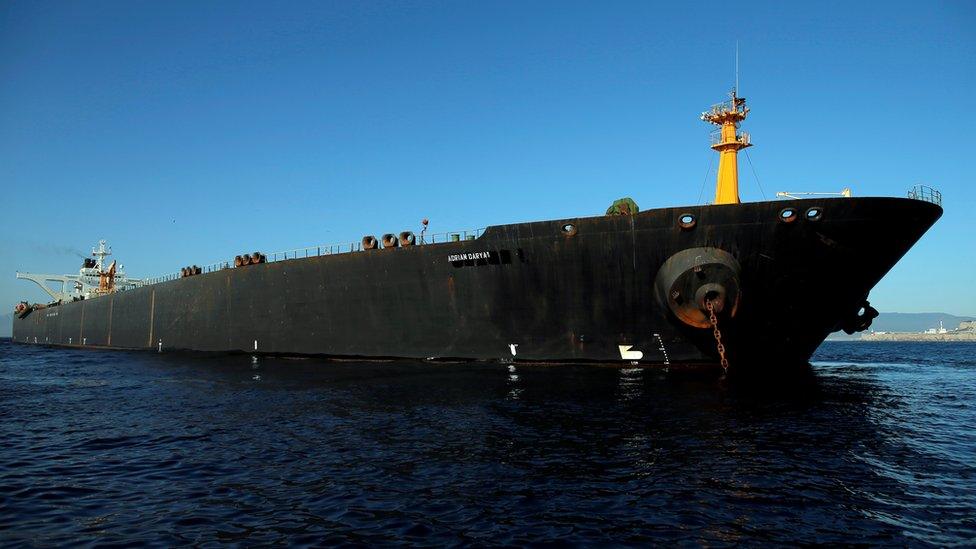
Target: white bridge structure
pixel 93 279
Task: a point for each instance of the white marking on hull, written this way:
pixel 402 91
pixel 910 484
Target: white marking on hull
pixel 667 361
pixel 627 354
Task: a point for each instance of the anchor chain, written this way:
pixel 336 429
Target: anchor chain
pixel 718 335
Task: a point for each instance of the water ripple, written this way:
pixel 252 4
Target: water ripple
pixel 873 445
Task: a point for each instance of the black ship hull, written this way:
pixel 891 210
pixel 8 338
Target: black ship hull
pixel 609 289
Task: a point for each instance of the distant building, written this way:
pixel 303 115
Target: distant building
pixel 940 330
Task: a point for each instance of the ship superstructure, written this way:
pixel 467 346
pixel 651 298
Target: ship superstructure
pixel 94 278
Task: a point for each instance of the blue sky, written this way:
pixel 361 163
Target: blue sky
pixel 188 132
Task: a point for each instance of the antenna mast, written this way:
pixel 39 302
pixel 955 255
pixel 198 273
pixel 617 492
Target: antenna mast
pixel 727 140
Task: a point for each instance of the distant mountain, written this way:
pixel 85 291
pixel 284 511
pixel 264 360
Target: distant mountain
pixel 6 324
pixel 908 322
pixel 915 322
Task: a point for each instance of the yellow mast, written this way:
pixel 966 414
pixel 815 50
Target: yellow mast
pixel 727 141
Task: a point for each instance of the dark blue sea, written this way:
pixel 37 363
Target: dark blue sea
pixel 874 444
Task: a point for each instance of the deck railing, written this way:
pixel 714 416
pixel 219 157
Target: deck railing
pixel 326 249
pixel 715 137
pixel 926 194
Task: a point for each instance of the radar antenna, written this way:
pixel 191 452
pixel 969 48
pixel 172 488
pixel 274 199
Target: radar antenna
pixel 101 253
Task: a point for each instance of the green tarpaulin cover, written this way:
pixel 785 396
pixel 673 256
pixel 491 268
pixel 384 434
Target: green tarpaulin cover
pixel 623 206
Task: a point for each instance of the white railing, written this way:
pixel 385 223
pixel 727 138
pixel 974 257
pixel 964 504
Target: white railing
pixel 925 193
pixel 716 137
pixel 326 249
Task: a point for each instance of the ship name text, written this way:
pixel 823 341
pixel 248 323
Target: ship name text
pixel 469 256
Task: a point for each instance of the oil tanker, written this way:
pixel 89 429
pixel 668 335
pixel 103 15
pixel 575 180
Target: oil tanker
pixel 748 284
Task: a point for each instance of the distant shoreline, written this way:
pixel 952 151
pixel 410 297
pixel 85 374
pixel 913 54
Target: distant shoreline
pixel 911 338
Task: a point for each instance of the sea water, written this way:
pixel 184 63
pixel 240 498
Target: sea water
pixel 874 443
